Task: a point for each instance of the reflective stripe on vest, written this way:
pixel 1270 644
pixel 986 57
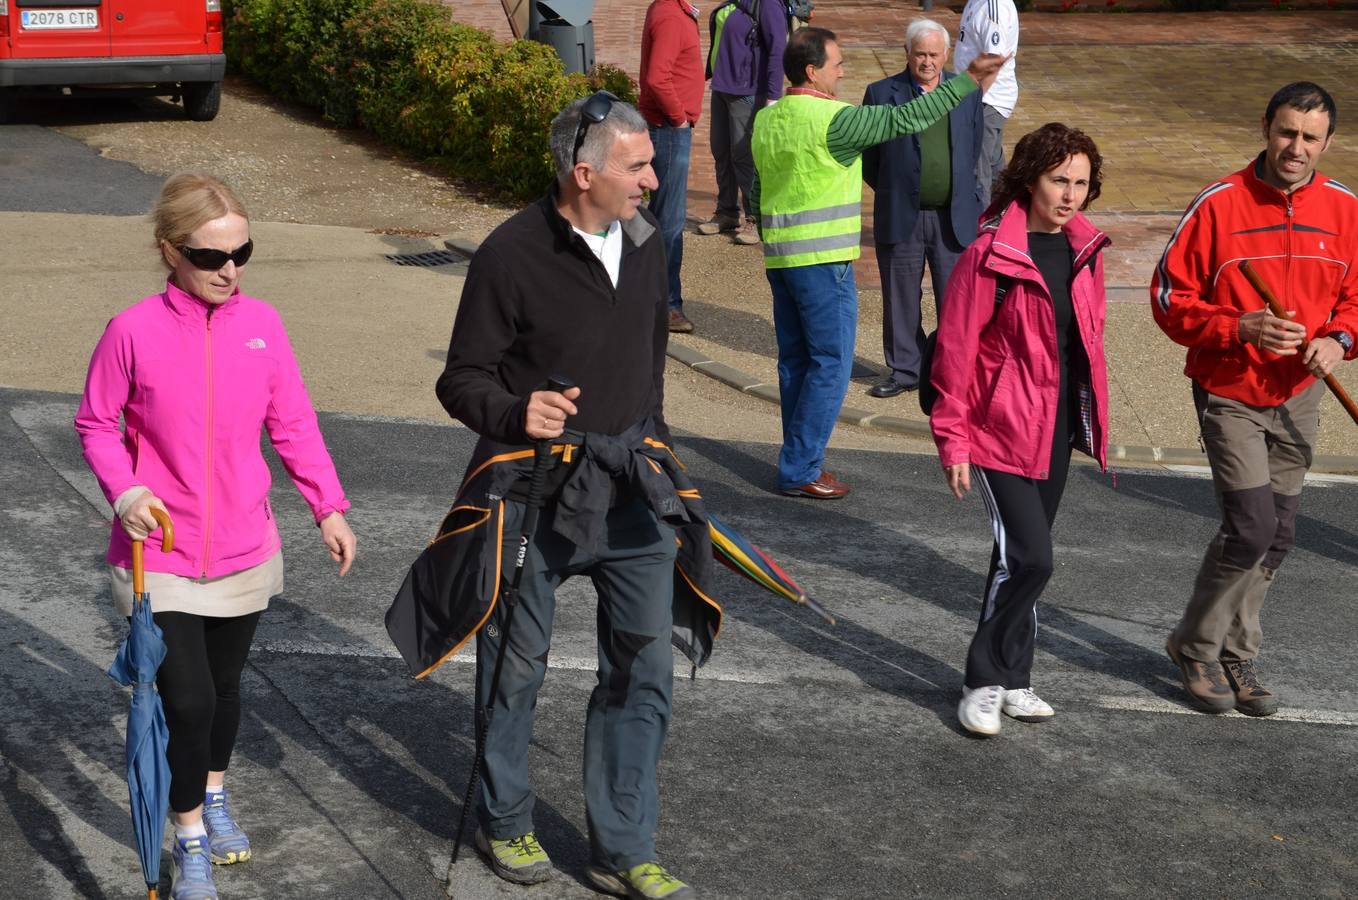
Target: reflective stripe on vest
pixel 809 204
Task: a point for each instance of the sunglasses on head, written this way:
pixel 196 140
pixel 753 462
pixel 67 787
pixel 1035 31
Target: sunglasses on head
pixel 210 260
pixel 595 110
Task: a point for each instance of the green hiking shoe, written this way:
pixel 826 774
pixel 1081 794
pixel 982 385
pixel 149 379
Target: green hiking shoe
pixel 648 880
pixel 520 860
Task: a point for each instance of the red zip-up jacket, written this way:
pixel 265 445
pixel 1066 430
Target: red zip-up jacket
pixel 1303 245
pixel 996 369
pixel 672 79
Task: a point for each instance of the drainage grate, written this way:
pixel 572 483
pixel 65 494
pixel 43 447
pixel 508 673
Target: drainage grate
pixel 428 260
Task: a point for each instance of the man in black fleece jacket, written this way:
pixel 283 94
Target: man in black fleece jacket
pixel 576 285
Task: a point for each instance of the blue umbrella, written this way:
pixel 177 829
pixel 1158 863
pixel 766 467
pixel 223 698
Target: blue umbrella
pixel 148 772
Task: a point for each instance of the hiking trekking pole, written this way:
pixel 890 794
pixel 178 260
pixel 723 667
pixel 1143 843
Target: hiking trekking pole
pixel 1276 309
pixel 537 481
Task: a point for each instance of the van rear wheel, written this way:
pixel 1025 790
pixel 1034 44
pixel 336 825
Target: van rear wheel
pixel 6 105
pixel 202 100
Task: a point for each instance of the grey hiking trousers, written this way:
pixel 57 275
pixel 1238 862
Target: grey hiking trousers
pixel 1259 458
pixel 629 708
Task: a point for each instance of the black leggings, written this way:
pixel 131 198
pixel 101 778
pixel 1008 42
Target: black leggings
pixel 1022 511
pixel 199 683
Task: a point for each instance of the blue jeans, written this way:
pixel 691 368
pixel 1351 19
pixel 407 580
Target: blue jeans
pixel 815 317
pixel 629 709
pixel 669 201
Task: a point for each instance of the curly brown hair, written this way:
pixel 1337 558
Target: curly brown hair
pixel 1036 152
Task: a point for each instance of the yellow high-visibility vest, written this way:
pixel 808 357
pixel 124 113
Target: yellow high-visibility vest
pixel 809 204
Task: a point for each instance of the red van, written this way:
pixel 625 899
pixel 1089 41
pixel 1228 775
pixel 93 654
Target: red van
pixel 161 47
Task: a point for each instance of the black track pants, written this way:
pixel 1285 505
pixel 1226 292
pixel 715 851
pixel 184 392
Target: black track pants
pixel 199 683
pixel 1022 511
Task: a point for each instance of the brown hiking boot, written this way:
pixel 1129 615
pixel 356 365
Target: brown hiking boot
pixel 748 234
pixel 1205 682
pixel 1251 697
pixel 719 224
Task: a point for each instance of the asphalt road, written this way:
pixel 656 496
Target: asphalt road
pixel 804 761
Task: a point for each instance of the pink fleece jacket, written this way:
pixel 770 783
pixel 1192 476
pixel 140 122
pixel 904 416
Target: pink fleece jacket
pixel 998 381
pixel 194 385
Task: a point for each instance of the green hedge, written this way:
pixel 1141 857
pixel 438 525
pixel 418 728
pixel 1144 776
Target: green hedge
pixel 479 108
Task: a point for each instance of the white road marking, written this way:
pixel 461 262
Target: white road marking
pixel 1318 479
pixel 1284 714
pixel 562 662
pixel 715 672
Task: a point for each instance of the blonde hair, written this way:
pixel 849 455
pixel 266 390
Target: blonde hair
pixel 187 203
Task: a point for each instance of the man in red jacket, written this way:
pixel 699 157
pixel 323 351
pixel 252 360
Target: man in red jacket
pixel 671 99
pixel 1255 375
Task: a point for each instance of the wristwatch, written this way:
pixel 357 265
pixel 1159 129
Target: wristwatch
pixel 1344 340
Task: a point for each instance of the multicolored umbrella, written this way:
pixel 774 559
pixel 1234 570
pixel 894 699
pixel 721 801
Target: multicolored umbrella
pixel 744 558
pixel 148 772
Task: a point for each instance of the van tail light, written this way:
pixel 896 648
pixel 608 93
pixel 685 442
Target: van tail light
pixel 214 16
pixel 4 18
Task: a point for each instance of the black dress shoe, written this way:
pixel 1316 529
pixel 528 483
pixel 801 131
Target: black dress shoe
pixel 890 387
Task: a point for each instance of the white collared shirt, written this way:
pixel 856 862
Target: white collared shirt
pixel 608 247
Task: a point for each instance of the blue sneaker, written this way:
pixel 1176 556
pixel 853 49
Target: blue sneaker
pixel 192 870
pixel 227 844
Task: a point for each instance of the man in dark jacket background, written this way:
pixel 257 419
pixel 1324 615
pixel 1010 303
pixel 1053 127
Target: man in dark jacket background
pixel 926 202
pixel 576 285
pixel 747 74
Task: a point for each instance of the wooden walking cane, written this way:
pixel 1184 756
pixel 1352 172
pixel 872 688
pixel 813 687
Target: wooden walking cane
pixel 1276 309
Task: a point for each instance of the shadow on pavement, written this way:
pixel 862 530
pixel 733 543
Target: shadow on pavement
pixel 50 738
pixel 885 558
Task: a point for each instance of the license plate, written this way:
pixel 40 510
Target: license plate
pixel 53 19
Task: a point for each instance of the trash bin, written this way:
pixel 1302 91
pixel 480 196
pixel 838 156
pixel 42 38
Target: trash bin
pixel 565 26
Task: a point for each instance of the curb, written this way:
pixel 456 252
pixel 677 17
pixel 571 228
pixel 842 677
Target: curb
pixel 1125 453
pixel 747 384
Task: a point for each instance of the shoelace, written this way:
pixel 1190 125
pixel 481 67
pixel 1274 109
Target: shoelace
pixel 219 817
pixel 656 875
pixel 525 845
pixel 1026 698
pixel 1215 674
pixel 1244 675
pixel 990 698
pixel 194 864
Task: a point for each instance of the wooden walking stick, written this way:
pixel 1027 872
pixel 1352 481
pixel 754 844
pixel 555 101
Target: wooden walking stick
pixel 1276 309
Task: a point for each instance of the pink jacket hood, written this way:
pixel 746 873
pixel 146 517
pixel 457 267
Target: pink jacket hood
pixel 195 386
pixel 998 380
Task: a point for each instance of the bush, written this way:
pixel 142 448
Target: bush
pixel 478 108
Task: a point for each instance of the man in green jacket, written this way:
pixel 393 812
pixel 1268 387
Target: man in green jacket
pixel 808 189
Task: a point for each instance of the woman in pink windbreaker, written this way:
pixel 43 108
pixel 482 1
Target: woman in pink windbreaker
pixel 1021 379
pixel 196 372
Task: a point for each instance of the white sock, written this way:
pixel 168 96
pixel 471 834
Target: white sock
pixel 219 789
pixel 193 830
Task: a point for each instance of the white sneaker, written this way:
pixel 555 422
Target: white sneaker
pixel 1026 706
pixel 979 711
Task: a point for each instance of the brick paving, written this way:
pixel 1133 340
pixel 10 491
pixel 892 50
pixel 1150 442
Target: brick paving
pixel 1171 100
pixel 1166 95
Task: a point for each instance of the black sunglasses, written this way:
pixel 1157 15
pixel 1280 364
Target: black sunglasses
pixel 210 260
pixel 595 110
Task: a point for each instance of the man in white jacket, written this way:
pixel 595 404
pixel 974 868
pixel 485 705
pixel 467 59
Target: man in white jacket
pixel 991 26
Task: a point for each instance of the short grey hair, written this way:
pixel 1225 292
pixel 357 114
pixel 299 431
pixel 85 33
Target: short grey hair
pixel 920 27
pixel 622 118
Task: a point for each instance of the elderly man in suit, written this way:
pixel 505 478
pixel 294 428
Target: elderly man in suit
pixel 927 201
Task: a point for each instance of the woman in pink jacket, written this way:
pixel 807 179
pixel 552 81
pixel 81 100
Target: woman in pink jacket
pixel 1021 380
pixel 196 372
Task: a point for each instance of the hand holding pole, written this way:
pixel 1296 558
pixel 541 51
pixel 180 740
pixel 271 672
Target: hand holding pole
pixel 537 482
pixel 1276 309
